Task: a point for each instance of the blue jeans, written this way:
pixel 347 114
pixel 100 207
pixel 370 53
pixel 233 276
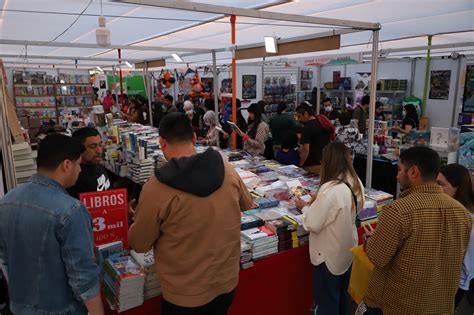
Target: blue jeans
pixel 330 292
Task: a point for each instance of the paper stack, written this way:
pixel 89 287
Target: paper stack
pixel 264 242
pixel 152 282
pixel 286 232
pixel 245 255
pixel 249 221
pixel 141 170
pixel 124 282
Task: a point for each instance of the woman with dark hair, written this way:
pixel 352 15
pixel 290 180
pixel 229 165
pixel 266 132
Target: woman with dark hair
pixel 410 120
pixel 330 219
pixel 261 106
pixel 456 182
pixel 258 130
pixel 135 113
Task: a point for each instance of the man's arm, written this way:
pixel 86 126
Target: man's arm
pixel 246 200
pixel 146 229
pixel 94 305
pixel 77 252
pixel 304 152
pixel 387 238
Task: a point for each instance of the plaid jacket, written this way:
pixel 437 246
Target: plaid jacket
pixel 417 250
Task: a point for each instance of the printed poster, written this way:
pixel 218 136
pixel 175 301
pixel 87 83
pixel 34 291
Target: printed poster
pixel 468 96
pixel 249 87
pixel 439 84
pixel 109 213
pixel 362 80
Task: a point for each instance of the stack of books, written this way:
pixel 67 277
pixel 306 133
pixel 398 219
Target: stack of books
pixel 249 221
pixel 123 283
pixel 152 282
pixel 245 255
pixel 25 164
pixel 264 242
pixel 109 250
pixel 368 212
pixel 380 198
pixel 141 170
pixel 286 232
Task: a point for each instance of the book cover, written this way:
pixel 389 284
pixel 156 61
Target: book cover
pixel 109 250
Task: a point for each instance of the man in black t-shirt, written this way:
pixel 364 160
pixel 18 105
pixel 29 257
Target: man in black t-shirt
pixel 93 176
pixel 313 139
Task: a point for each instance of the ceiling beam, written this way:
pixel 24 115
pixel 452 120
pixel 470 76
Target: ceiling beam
pixel 251 13
pixel 66 58
pixel 433 47
pixel 95 46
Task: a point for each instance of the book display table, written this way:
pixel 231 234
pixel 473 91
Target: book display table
pixel 279 284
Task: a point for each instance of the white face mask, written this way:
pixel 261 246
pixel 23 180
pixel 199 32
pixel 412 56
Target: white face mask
pixel 328 109
pixel 404 113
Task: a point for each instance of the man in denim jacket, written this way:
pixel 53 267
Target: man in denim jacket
pixel 46 244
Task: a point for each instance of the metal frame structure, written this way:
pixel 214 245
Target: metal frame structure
pixel 233 12
pixel 346 25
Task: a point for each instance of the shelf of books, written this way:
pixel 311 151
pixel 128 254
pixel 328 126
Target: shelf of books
pixel 49 97
pixel 279 85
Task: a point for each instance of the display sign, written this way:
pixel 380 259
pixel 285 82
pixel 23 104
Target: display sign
pixel 108 210
pixel 322 60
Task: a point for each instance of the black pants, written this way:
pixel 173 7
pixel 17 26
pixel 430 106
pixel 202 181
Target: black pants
pixel 219 306
pixel 458 298
pixel 330 291
pixel 373 311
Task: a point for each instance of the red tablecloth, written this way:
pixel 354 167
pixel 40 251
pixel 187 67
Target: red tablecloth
pixel 280 284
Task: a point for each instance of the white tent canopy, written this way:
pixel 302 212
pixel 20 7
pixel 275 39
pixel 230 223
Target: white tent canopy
pixel 404 24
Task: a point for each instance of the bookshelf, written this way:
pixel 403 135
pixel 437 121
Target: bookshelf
pixel 48 97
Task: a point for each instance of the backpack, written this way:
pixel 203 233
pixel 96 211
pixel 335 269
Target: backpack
pixel 327 126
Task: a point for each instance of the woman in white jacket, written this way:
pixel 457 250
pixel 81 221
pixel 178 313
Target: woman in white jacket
pixel 330 219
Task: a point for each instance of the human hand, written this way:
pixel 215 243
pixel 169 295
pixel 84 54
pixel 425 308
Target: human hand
pixel 132 205
pixel 300 203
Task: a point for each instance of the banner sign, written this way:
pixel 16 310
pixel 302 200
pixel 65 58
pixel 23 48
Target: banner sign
pixel 109 212
pixel 324 60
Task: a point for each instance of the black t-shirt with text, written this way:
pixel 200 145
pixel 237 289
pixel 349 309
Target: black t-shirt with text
pixel 93 177
pixel 317 139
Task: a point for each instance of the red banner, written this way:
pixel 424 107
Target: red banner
pixel 108 210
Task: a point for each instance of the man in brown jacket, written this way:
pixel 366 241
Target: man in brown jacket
pixel 419 243
pixel 189 213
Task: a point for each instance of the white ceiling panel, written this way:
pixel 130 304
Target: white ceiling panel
pixel 43 20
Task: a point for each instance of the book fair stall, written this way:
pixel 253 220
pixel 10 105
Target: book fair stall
pixel 321 63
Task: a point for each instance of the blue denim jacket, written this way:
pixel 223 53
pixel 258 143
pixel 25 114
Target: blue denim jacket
pixel 46 245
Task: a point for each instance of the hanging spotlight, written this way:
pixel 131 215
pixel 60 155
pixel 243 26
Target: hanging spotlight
pixel 177 58
pixel 271 45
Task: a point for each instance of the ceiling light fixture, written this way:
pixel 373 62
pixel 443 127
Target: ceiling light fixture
pixel 177 58
pixel 271 45
pixel 102 33
pixel 128 64
pixel 100 69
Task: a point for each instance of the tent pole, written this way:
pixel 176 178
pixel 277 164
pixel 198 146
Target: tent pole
pixel 215 87
pixel 318 96
pixel 120 75
pixel 234 82
pixel 373 95
pixel 148 93
pixel 427 76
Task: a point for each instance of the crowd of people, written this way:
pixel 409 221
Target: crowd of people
pixel 422 248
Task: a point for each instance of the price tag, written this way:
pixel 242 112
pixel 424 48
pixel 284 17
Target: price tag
pixel 108 210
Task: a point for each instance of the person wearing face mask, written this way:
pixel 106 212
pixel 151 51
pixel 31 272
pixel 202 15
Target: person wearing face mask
pixel 410 120
pixel 329 111
pixel 456 182
pixel 254 139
